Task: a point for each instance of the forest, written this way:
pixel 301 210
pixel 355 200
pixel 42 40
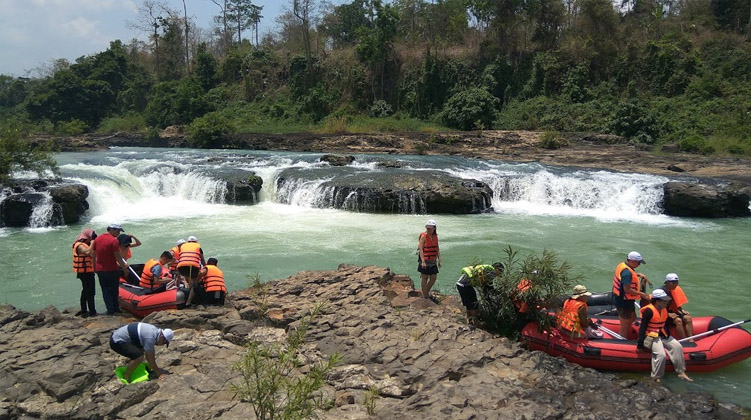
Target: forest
pixel 654 72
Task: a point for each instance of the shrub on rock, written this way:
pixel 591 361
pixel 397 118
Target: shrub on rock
pixel 469 109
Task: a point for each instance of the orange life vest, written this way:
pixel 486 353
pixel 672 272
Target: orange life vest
pixel 657 323
pixel 522 287
pixel 430 248
pixel 679 299
pixel 568 319
pixel 190 255
pixel 175 251
pixel 617 281
pixel 214 280
pixel 82 263
pixel 147 277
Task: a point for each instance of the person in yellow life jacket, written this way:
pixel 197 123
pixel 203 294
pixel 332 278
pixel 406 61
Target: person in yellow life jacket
pixel 677 316
pixel 175 251
pixel 191 261
pixel 655 337
pixel 212 290
pixel 626 291
pixel 478 275
pixel 152 277
pixel 573 319
pixel 83 266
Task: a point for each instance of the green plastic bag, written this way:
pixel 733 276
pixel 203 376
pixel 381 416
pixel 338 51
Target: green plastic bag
pixel 139 374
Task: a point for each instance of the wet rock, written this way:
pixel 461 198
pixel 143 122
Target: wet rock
pixel 704 200
pixel 243 189
pixel 42 202
pixel 337 160
pixel 72 200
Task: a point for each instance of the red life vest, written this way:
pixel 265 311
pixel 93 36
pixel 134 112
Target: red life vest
pixel 657 323
pixel 617 281
pixel 522 287
pixel 430 248
pixel 190 255
pixel 679 299
pixel 568 319
pixel 175 251
pixel 147 277
pixel 82 263
pixel 214 280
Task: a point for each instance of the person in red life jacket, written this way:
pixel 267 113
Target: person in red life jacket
pixel 108 264
pixel 212 290
pixel 137 341
pixel 626 290
pixel 191 261
pixel 83 266
pixel 521 306
pixel 429 257
pixel 573 319
pixel 655 337
pixel 152 277
pixel 677 316
pixel 175 251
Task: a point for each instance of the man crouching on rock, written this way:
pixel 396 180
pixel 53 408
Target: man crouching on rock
pixel 137 340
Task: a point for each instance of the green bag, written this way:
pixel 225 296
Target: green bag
pixel 139 374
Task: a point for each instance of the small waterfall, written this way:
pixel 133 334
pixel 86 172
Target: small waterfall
pixel 45 213
pixel 305 192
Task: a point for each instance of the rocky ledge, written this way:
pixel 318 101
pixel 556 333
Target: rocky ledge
pixel 43 202
pixel 421 357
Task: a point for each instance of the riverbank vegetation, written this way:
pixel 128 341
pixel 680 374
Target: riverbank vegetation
pixel 655 72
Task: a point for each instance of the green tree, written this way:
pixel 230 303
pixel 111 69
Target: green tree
pixel 12 91
pixel 17 154
pixel 471 108
pixel 205 68
pixel 176 102
pixel 375 45
pixel 342 24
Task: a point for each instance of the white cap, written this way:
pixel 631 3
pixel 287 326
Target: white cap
pixel 180 242
pixel 192 239
pixel 430 222
pixel 168 334
pixel 660 294
pixel 671 277
pixel 635 256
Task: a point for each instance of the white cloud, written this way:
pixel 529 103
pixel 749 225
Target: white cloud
pixel 80 27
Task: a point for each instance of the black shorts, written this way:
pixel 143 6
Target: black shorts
pixel 468 295
pixel 428 269
pixel 188 271
pixel 126 349
pixel 209 298
pixel 626 308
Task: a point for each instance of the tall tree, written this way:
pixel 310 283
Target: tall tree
pixel 150 17
pixel 187 49
pixel 238 15
pixel 303 11
pixel 375 45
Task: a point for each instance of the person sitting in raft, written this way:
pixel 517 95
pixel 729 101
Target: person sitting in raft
pixel 175 251
pixel 152 277
pixel 478 275
pixel 191 261
pixel 677 316
pixel 626 290
pixel 138 340
pixel 212 290
pixel 655 337
pixel 573 320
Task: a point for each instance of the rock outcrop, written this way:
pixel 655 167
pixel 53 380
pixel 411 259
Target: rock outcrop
pixel 421 358
pixel 243 189
pixel 41 203
pixel 705 200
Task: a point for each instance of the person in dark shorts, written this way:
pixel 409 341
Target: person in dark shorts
pixel 191 261
pixel 477 275
pixel 429 257
pixel 136 341
pixel 626 290
pixel 83 266
pixel 212 289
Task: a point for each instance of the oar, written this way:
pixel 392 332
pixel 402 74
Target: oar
pixel 609 331
pixel 714 331
pixel 131 269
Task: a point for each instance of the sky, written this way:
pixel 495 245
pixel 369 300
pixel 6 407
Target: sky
pixel 35 32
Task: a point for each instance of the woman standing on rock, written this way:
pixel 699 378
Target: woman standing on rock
pixel 83 266
pixel 430 257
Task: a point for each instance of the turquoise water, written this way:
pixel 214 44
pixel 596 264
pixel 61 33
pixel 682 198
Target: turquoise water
pixel 163 195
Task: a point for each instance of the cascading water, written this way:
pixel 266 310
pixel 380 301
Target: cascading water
pixel 46 213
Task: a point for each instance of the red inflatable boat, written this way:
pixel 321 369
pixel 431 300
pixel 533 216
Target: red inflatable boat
pixel 140 302
pixel 708 353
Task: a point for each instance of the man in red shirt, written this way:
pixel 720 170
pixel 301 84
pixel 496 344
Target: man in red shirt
pixel 108 265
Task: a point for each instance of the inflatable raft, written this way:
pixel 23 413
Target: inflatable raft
pixel 708 353
pixel 140 302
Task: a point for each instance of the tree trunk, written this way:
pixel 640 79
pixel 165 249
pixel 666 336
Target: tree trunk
pixel 187 49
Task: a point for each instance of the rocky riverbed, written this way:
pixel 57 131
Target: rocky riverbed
pixel 422 358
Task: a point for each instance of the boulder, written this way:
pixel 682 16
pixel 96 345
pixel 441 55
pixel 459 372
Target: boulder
pixel 243 189
pixel 33 209
pixel 396 191
pixel 72 200
pixel 703 200
pixel 337 160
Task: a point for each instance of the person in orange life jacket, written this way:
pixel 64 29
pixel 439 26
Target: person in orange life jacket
pixel 138 340
pixel 126 243
pixel 479 275
pixel 212 289
pixel 191 261
pixel 626 290
pixel 152 276
pixel 175 251
pixel 678 317
pixel 655 337
pixel 573 319
pixel 83 266
pixel 430 257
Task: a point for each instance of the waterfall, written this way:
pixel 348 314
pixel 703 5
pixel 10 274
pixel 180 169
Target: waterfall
pixel 45 213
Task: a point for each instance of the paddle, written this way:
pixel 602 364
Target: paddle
pixel 714 331
pixel 609 331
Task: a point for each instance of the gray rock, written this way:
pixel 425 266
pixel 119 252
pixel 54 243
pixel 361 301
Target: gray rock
pixel 704 200
pixel 72 200
pixel 337 160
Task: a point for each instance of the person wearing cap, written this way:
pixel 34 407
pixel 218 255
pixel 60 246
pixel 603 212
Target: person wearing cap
pixel 626 291
pixel 175 251
pixel 138 340
pixel 108 264
pixel 212 289
pixel 83 266
pixel 429 259
pixel 478 275
pixel 573 320
pixel 191 261
pixel 126 243
pixel 677 316
pixel 655 337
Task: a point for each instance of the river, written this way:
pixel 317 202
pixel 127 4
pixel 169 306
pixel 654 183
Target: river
pixel 589 218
